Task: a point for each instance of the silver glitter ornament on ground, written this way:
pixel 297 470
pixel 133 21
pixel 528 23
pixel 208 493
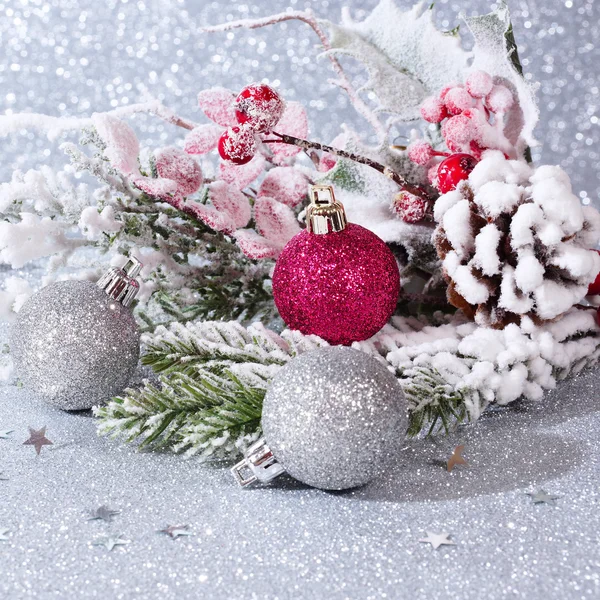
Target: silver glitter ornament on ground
pixel 333 419
pixel 76 343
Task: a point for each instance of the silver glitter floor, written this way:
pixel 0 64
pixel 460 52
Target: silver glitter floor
pixel 288 541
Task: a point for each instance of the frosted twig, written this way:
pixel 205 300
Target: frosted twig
pixel 383 169
pixel 308 17
pixel 56 126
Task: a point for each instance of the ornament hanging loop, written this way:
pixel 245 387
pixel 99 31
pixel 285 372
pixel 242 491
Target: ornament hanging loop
pixel 325 214
pixel 121 283
pixel 258 464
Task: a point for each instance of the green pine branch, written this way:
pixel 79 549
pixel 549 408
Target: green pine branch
pixel 208 414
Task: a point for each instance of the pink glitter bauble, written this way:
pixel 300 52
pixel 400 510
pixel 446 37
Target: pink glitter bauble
pixel 342 286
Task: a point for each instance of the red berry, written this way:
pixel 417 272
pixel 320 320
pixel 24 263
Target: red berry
pixel 409 207
pixel 259 107
pixel 458 131
pixel 237 145
pixel 594 289
pixel 453 170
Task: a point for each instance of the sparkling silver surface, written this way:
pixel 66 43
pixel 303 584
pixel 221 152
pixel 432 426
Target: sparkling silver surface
pixel 333 418
pixel 74 346
pixel 67 57
pixel 290 541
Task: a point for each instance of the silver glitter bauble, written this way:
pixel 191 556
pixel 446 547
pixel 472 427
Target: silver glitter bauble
pixel 334 418
pixel 75 344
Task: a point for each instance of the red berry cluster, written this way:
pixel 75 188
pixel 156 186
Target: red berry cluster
pixel 258 109
pixel 472 120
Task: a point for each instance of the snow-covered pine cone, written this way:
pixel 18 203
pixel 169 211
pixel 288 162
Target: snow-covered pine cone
pixel 515 242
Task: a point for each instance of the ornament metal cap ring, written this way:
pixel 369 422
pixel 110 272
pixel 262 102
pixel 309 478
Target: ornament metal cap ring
pixel 121 283
pixel 325 214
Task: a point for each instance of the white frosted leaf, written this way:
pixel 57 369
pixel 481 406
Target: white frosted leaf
pixel 217 104
pixel 406 57
pixel 241 176
pixel 202 139
pixel 122 146
pixel 229 200
pixel 255 246
pixel 275 221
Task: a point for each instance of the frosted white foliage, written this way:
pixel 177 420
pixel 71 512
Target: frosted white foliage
pixel 406 57
pixel 16 291
pixel 122 146
pixel 487 365
pixel 529 228
pixel 493 55
pixel 93 222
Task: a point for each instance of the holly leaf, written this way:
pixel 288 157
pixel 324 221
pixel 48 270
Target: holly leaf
pixel 495 51
pixel 406 57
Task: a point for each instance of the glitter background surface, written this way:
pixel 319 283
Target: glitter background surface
pixel 289 541
pixel 74 57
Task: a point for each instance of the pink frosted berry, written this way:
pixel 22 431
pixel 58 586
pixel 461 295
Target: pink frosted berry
pixel 500 99
pixel 479 84
pixel 259 106
pixel 237 145
pixel 456 100
pixel 458 131
pixel 433 110
pixel 420 152
pixel 410 208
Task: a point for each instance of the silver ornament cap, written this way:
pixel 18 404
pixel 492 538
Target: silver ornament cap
pixel 334 419
pixel 121 283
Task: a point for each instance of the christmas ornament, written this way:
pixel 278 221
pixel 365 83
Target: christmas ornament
pixel 237 145
pixel 76 343
pixel 332 418
pixel 516 242
pixel 453 170
pixel 335 279
pixel 259 106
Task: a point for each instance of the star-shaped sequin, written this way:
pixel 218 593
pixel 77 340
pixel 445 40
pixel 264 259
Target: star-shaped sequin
pixel 456 458
pixel 542 497
pixel 3 532
pixel 110 542
pixel 5 433
pixel 174 531
pixel 37 439
pixel 103 513
pixel 437 539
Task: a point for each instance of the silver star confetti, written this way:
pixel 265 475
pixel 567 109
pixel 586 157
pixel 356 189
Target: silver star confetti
pixel 110 542
pixel 103 513
pixel 5 433
pixel 2 478
pixel 37 439
pixel 542 497
pixel 437 539
pixel 174 531
pixel 3 532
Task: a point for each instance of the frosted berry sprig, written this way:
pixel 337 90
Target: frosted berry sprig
pixel 472 119
pixel 258 109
